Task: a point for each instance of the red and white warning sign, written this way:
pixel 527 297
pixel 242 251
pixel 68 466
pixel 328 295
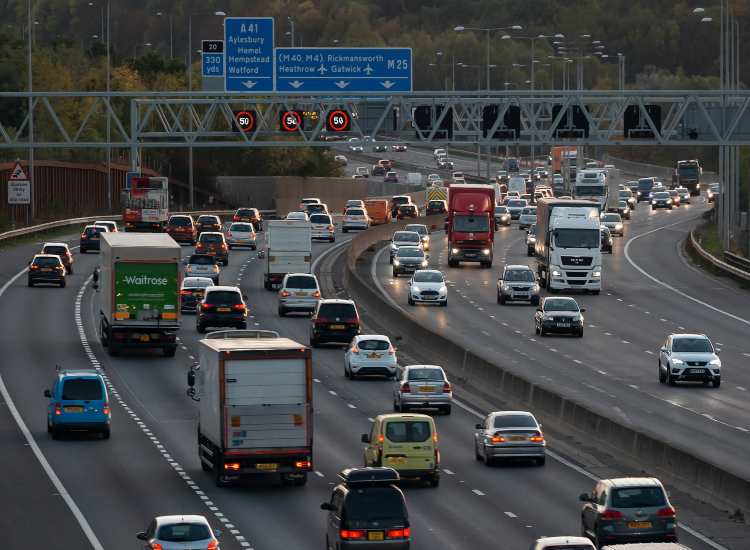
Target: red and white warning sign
pixel 19 186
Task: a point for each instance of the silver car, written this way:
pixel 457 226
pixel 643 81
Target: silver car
pixel 509 434
pixel 517 283
pixel 404 238
pixel 527 217
pixel 322 227
pixel 202 265
pixel 423 231
pixel 409 259
pixel 179 533
pixel 422 386
pixel 625 510
pixel 613 222
pixel 298 292
pixel 241 234
pixel 689 358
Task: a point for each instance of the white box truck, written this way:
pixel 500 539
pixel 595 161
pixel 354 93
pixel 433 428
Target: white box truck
pixel 289 250
pixel 255 407
pixel 140 280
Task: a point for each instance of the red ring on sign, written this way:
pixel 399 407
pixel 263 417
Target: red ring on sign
pixel 296 116
pixel 338 127
pixel 249 127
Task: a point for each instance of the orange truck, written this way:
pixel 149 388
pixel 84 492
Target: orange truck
pixel 558 153
pixel 378 210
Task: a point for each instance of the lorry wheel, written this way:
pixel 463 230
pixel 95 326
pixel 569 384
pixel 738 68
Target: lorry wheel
pixel 170 351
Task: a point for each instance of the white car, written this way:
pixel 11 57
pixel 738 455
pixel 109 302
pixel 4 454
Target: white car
pixel 423 231
pixel 354 203
pixel 323 227
pixel 355 218
pixel 428 286
pixel 112 225
pixel 341 159
pixel 683 192
pixel 241 234
pixel 563 543
pixel 179 532
pixel 527 218
pixel 297 216
pixel 689 358
pixel 363 171
pixel 309 200
pixel 438 153
pixel 613 222
pixel 370 354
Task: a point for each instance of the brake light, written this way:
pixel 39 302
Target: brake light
pixel 537 438
pixel 447 387
pixel 302 464
pixel 105 409
pixel 352 321
pixel 405 388
pixel 200 245
pixel 667 512
pixel 321 321
pixel 285 293
pixel 404 533
pixel 223 246
pixel 83 235
pixel 33 266
pixel 611 514
pixel 355 349
pixel 205 307
pixel 156 546
pixel 184 292
pixel 58 409
pixel 213 545
pixel 235 466
pixel 352 534
pixel 238 307
pixel 316 294
pixel 381 438
pixel 497 438
pixel 392 351
pixel 235 218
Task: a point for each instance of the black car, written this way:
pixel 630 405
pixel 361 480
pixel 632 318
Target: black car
pixel 334 321
pixel 368 511
pixel 47 269
pixel 208 223
pixel 192 292
pixel 445 164
pixel 661 199
pixel 559 315
pixel 378 170
pixel 90 238
pixel 436 207
pixel 607 240
pixel 222 306
pixel 408 259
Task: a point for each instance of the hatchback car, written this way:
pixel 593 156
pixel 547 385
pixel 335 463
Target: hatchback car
pixel 298 292
pixel 62 250
pixel 515 207
pixel 355 218
pixel 613 222
pixel 625 510
pixel 214 244
pixel 202 265
pixel 182 229
pixel 406 211
pixel 531 240
pixel 444 163
pixel 404 238
pixel 517 283
pixel 684 194
pixel 362 171
pixel 207 222
pixel 661 199
pixel 408 259
pixel 560 315
pixel 334 321
pixel 222 306
pixel 368 511
pixel 370 354
pixel 527 217
pixel 251 215
pixel 436 207
pixel 390 177
pixel 46 269
pixel 322 227
pixel 397 201
pixel 422 387
pixel 689 358
pixel 502 216
pixel 78 401
pixel 563 543
pixel 623 208
pixel 427 286
pixel 627 196
pixel 378 170
pixel 607 242
pixel 192 291
pixel 308 200
pixel 241 234
pixel 423 231
pixel 91 237
pixel 180 533
pixel 110 225
pixel 301 216
pixel 509 434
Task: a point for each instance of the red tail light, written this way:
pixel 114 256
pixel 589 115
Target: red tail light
pixel 33 266
pixel 497 438
pixel 156 546
pixel 83 235
pixel 105 409
pixel 447 387
pixel 352 534
pixel 234 466
pixel 405 388
pixel 611 514
pixel 537 438
pixel 316 294
pixel 223 246
pixel 355 349
pixel 200 245
pixel 185 292
pixel 205 307
pixel 213 545
pixel 667 512
pixel 58 409
pixel 303 464
pixel 238 307
pixel 285 294
pixel 235 218
pixel 404 533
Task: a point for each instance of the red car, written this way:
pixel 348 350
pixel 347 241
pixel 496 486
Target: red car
pixel 407 211
pixel 182 229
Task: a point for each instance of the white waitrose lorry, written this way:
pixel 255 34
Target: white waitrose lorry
pixel 289 250
pixel 255 415
pixel 568 245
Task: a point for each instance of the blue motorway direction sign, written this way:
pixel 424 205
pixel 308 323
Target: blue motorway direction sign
pixel 248 65
pixel 343 70
pixel 212 58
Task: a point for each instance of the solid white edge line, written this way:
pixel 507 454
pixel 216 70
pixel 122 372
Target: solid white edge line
pixel 374 276
pixel 63 492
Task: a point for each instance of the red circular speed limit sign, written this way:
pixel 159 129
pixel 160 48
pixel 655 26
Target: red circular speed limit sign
pixel 338 121
pixel 245 120
pixel 291 121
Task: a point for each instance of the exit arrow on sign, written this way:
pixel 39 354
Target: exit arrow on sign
pixel 388 84
pixel 296 84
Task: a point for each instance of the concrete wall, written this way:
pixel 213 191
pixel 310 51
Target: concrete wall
pixel 643 170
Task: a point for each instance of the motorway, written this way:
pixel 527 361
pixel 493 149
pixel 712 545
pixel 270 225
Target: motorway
pixel 150 465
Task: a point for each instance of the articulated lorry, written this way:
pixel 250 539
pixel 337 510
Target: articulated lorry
pixel 256 415
pixel 289 250
pixel 471 224
pixel 592 185
pixel 687 173
pixel 146 204
pixel 140 279
pixel 568 242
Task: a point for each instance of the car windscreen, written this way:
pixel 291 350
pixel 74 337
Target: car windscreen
pixel 611 218
pixel 58 250
pixel 94 231
pixel 514 421
pixel 471 224
pixel 180 221
pixel 638 497
pixel 517 203
pixel 560 305
pixel 406 208
pixel 645 185
pixel 245 212
pixel 354 212
pixel 201 259
pixel 373 345
pixel 340 311
pixel 82 389
pixel 525 275
pixel 315 208
pixel 661 195
pixel 428 277
pixel 320 218
pixel 183 532
pixel 411 431
pixel 692 345
pixel 207 219
pixel 374 504
pixel 421 229
pixel 415 375
pixel 577 238
pixel 404 252
pixel 299 281
pixel 213 239
pixel 241 227
pixel 435 204
pixel 223 298
pixel 408 237
pixel 529 212
pixel 400 200
pixel 626 194
pixel 501 210
pixel 688 170
pixel 47 262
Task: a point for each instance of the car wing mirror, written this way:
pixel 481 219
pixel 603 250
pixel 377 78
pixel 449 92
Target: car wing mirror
pixel 327 506
pixel 583 310
pixel 365 438
pixel 141 536
pixel 479 426
pixel 47 393
pixel 217 533
pixel 584 497
pixel 664 349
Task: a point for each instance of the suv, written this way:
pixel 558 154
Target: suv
pixel 208 223
pixel 214 244
pixel 322 227
pixel 298 292
pixel 251 215
pixel 90 237
pixel 78 401
pixel 46 268
pixel 355 218
pixel 62 250
pixel 182 229
pixel 367 510
pixel 518 282
pixel 334 321
pixel 689 357
pixel 222 306
pixel 631 509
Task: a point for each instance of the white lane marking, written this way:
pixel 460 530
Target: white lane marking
pixel 625 342
pixel 577 361
pixel 741 388
pixel 374 277
pixel 607 334
pixel 316 380
pixel 332 392
pixel 12 280
pixel 510 514
pixel 667 285
pixel 319 474
pixel 648 351
pixel 449 472
pixel 351 406
pixel 740 428
pixel 633 386
pixel 477 492
pixel 59 487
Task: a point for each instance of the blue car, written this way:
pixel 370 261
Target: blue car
pixel 78 401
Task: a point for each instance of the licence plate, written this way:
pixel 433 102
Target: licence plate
pixel 94 238
pixel 223 309
pixel 563 325
pixel 639 525
pixel 375 535
pixel 471 254
pixel 267 467
pixel 300 293
pixel 46 269
pixel 337 327
pixel 517 438
pixel 373 356
pixel 73 409
pixel 396 460
pixel 145 338
pixel 696 371
pixel 427 389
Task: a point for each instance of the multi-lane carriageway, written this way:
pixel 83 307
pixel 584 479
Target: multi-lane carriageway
pixel 81 493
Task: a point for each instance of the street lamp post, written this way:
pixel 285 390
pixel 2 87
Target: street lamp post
pixel 488 31
pixel 291 24
pixel 171 32
pixel 533 40
pixel 30 168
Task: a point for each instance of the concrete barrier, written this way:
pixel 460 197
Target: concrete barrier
pixel 716 262
pixel 487 376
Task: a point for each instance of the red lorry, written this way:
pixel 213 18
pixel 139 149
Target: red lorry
pixel 471 224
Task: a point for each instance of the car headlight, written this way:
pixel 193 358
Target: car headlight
pixel 653 202
pixel 504 217
pixel 639 193
pixel 547 318
pixel 596 274
pixel 715 362
pixel 424 263
pixel 425 239
pixel 486 251
pixel 535 287
pixel 677 361
pixel 454 250
pixel 415 289
pixel 532 239
pixel 396 262
pixel 443 289
pixel 618 227
pixel 506 287
pixel 555 273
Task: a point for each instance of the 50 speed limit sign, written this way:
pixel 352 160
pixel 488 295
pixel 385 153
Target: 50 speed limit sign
pixel 245 120
pixel 291 121
pixel 338 120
